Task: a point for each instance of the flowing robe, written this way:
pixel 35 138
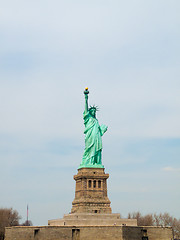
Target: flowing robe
pixel 93 141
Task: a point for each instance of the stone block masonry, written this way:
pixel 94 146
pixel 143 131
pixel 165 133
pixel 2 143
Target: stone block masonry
pixel 92 219
pixel 91 191
pixel 88 233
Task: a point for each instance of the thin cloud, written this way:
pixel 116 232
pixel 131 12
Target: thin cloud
pixel 171 169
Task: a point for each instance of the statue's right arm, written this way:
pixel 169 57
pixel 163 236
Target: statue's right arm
pixel 86 103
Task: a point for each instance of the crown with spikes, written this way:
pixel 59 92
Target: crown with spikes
pixel 94 107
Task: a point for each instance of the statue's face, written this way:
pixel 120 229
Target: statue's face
pixel 93 112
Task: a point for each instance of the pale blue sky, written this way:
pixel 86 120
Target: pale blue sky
pixel 128 54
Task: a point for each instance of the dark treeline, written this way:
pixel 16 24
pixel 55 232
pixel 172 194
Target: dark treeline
pixel 162 219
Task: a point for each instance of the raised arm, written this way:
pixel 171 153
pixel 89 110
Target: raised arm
pixel 86 92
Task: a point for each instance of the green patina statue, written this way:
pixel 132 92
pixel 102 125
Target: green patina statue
pixel 93 137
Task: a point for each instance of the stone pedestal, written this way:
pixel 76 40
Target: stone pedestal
pixel 92 219
pixel 91 205
pixel 91 191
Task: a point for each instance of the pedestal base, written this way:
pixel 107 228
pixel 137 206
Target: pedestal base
pixel 88 219
pixel 91 191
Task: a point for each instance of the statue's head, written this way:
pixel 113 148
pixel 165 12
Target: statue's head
pixel 92 110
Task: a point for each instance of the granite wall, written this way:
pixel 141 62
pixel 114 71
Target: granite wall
pixel 88 233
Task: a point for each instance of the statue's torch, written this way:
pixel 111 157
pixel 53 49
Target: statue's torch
pixel 86 91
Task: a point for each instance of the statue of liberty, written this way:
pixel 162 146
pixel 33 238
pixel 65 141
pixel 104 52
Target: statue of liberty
pixel 93 137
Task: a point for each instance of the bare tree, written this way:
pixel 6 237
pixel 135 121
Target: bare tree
pixel 157 220
pixel 8 218
pixel 146 220
pixel 176 228
pixel 168 221
pixel 164 220
pixel 27 223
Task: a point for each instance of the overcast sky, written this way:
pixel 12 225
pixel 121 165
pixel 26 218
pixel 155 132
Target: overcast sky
pixel 128 54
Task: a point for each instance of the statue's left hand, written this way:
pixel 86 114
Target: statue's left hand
pixel 103 129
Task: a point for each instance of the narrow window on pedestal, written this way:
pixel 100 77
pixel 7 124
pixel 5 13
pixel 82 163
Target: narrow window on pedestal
pixel 89 183
pixel 99 184
pixel 94 183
